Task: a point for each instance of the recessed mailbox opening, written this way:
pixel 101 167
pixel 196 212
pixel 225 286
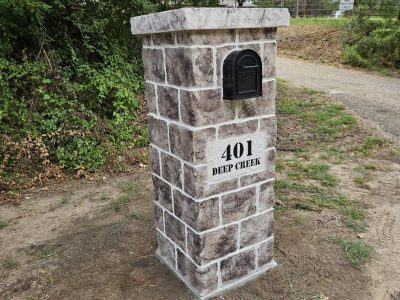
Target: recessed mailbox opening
pixel 242 75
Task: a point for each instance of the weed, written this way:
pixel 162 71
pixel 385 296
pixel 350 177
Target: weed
pixel 356 226
pixel 280 165
pixel 370 167
pixel 311 91
pixel 320 172
pixel 370 143
pixel 3 224
pixel 354 213
pixel 288 106
pixel 284 184
pixel 128 187
pixel 356 252
pixel 137 215
pixel 298 220
pixel 328 201
pixel 360 180
pixel 320 296
pixel 121 201
pixel 10 263
pixel 64 199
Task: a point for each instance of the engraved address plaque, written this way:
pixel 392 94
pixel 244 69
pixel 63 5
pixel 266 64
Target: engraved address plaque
pixel 234 157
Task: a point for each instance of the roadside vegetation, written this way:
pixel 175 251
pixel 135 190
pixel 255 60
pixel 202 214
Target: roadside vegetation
pixel 71 87
pixel 316 137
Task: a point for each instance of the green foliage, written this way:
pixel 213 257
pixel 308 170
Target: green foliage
pixel 70 83
pixel 372 42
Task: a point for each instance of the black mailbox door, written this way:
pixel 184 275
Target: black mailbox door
pixel 242 75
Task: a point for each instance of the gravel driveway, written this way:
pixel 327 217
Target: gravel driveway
pixel 374 97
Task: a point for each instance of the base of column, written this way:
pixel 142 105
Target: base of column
pixel 224 288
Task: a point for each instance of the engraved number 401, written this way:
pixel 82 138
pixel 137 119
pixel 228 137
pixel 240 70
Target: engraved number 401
pixel 237 151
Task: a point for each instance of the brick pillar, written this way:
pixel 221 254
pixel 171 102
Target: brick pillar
pixel 214 222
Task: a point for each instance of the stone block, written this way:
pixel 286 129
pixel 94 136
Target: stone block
pixel 202 279
pixel 238 205
pixel 205 107
pixel 190 67
pixel 190 145
pixel 151 99
pixel 166 38
pixel 146 40
pixel 153 63
pixel 269 60
pixel 155 160
pixel 162 193
pixel 267 196
pixel 158 133
pixel 269 172
pixel 266 253
pixel 196 186
pixel 168 102
pixel 256 34
pixel 198 215
pixel 222 52
pixel 166 249
pixel 238 265
pixel 159 216
pixel 256 229
pixel 235 129
pixel 261 105
pixel 171 169
pixel 209 246
pixel 175 230
pixel 269 125
pixel 202 37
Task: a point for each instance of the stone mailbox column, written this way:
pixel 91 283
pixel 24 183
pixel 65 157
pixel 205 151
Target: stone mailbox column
pixel 213 160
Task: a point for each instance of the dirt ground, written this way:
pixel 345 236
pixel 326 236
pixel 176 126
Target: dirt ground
pixel 83 240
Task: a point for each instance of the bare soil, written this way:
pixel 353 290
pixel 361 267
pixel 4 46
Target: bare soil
pixel 77 240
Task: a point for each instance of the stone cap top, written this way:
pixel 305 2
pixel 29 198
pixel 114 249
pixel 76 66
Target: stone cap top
pixel 204 18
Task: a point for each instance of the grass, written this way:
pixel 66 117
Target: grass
pixel 324 201
pixel 64 199
pixel 370 167
pixel 122 201
pixel 10 263
pixel 356 226
pixel 3 224
pixel 320 172
pixel 354 213
pixel 321 21
pixel 360 180
pixel 369 144
pixel 298 220
pixel 356 252
pixel 128 187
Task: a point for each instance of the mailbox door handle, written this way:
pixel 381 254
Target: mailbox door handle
pixel 248 67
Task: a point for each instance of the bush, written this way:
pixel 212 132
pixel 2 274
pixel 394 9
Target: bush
pixel 372 42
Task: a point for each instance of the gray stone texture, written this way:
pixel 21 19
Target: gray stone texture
pixel 146 40
pixel 190 145
pixel 168 102
pixel 205 107
pixel 175 230
pixel 189 67
pixel 238 205
pixel 256 34
pixel 191 18
pixel 235 129
pixel 150 95
pixel 256 229
pixel 269 125
pixel 171 169
pixel 198 215
pixel 209 246
pixel 196 183
pixel 162 193
pixel 205 37
pixel 167 38
pixel 222 52
pixel 202 280
pixel 159 216
pixel 269 60
pixel 261 105
pixel 153 63
pixel 267 196
pixel 238 265
pixel 264 175
pixel 166 249
pixel 266 253
pixel 155 160
pixel 158 133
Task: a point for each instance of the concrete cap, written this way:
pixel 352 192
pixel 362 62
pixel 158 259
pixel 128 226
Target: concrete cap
pixel 204 18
